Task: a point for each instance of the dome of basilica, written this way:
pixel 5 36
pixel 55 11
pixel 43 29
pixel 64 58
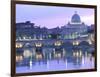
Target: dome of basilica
pixel 75 18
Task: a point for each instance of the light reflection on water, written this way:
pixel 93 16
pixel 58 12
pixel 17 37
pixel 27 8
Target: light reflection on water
pixel 53 59
pixel 70 63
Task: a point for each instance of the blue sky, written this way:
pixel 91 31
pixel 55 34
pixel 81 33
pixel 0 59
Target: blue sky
pixel 52 16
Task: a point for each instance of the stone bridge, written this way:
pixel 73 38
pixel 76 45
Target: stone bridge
pixel 52 46
pixel 33 43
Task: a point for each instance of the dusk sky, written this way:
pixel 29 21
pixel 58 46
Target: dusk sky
pixel 51 16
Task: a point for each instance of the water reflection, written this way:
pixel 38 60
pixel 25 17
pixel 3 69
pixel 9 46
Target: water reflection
pixel 52 59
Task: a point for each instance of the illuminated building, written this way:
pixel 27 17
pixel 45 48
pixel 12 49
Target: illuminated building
pixel 74 29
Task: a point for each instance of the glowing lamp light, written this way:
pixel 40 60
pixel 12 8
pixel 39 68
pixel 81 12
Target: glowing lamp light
pixel 58 55
pixel 19 58
pixel 27 53
pixel 38 44
pixel 77 54
pixel 75 42
pixel 19 45
pixel 38 56
pixel 58 43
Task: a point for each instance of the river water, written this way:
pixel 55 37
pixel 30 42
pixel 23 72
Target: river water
pixel 71 63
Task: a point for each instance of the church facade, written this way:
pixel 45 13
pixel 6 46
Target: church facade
pixel 75 28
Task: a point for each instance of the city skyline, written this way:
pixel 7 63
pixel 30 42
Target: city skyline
pixel 52 16
pixel 40 46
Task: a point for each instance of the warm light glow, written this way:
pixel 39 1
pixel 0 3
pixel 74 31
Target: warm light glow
pixel 58 55
pixel 58 43
pixel 19 58
pixel 38 44
pixel 27 53
pixel 77 54
pixel 38 56
pixel 19 45
pixel 75 42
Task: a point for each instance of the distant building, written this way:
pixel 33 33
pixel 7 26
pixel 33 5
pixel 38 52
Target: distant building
pixel 27 30
pixel 74 28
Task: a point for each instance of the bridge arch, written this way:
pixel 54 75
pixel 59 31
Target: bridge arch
pixel 84 46
pixel 68 46
pixel 26 45
pixel 84 43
